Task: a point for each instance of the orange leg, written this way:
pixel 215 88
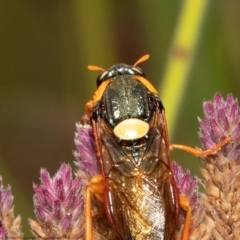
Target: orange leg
pixel 201 153
pixel 95 187
pixel 185 205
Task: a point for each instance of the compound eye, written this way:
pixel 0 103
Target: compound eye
pixel 137 70
pixel 102 78
pixel 131 129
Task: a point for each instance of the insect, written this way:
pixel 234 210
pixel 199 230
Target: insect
pixel 136 185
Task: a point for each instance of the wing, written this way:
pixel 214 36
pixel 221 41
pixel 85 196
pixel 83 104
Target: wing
pixel 140 193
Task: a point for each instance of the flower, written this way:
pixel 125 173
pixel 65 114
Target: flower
pixel 9 226
pixel 59 205
pixel 220 210
pixel 222 119
pixel 86 154
pixel 188 186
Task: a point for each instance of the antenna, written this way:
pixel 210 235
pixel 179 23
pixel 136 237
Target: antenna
pixel 95 68
pixel 142 59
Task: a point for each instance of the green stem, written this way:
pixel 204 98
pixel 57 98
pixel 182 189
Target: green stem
pixel 181 57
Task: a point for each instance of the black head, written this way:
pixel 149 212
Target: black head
pixel 119 69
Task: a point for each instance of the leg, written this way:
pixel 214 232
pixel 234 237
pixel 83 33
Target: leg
pixel 185 205
pixel 200 153
pixel 95 187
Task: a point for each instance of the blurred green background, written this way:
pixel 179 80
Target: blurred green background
pixel 45 47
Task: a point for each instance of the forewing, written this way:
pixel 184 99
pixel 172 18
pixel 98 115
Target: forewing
pixel 144 204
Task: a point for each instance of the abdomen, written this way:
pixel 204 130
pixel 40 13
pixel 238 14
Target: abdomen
pixel 141 209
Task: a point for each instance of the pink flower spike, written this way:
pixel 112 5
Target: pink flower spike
pixel 59 205
pixel 10 227
pixel 218 218
pixel 187 185
pixel 86 154
pixel 222 119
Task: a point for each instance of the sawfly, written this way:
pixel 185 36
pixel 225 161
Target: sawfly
pixel 136 186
